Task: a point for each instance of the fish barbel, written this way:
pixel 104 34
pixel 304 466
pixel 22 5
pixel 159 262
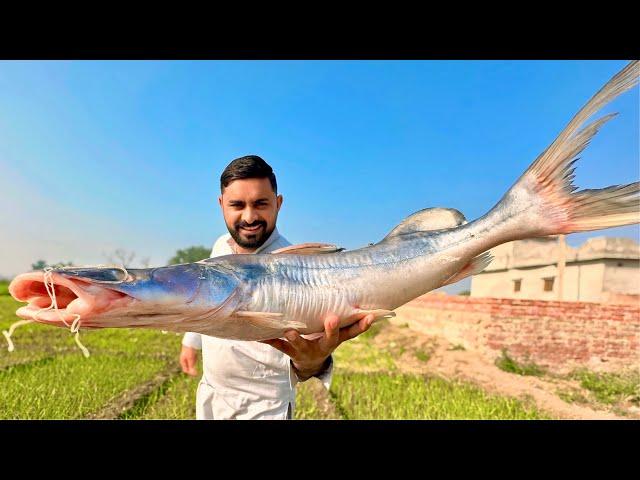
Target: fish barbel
pixel 259 297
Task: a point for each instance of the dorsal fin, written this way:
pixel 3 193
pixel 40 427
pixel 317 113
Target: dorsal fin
pixel 309 249
pixel 429 219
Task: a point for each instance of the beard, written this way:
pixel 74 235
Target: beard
pixel 250 239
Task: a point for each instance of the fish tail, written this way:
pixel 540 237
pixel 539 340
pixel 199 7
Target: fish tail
pixel 544 202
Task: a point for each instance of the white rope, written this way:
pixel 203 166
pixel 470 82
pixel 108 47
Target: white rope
pixel 49 285
pixel 51 291
pixel 7 334
pixel 84 349
pixel 74 328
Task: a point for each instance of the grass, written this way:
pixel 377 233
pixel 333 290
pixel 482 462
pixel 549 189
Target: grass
pixel 173 400
pixel 508 364
pixel 307 407
pixel 70 386
pixel 614 391
pixel 422 355
pixel 572 396
pixel 360 353
pixel 47 377
pixel 611 388
pixel 377 396
pixel 4 287
pixel 313 402
pixel 367 385
pixel 32 342
pixel 457 347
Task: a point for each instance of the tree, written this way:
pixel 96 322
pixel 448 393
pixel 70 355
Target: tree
pixel 190 255
pixel 39 265
pixel 61 264
pixel 120 256
pixel 42 264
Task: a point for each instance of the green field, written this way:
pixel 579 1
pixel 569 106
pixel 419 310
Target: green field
pixel 132 374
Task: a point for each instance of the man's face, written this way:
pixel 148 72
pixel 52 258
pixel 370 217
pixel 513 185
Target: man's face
pixel 250 209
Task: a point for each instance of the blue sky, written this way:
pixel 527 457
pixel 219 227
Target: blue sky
pixel 96 156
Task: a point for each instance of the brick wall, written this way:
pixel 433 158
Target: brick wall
pixel 557 335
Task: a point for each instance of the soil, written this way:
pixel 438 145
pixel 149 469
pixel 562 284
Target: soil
pixel 438 357
pixel 328 410
pixel 128 399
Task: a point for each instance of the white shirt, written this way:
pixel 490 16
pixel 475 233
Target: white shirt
pixel 244 379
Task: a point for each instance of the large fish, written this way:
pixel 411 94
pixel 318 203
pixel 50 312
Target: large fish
pixel 258 297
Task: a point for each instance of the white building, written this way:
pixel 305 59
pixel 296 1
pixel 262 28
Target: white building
pixel 603 269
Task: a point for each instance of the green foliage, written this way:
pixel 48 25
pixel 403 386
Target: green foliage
pixel 39 265
pixel 4 287
pixel 42 264
pixel 508 364
pixel 373 330
pixel 61 264
pixel 378 396
pixel 313 403
pixel 70 386
pixel 572 396
pixel 611 388
pixel 190 255
pixel 456 347
pixel 173 400
pixel 422 355
pixel 47 377
pixel 360 353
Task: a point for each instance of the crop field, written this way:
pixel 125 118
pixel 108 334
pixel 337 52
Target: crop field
pixel 133 374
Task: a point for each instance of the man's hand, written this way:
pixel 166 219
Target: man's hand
pixel 188 360
pixel 308 356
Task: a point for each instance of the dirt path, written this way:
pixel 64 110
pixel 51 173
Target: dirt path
pixel 128 399
pixel 471 366
pixel 327 408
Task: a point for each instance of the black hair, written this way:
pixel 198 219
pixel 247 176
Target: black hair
pixel 249 166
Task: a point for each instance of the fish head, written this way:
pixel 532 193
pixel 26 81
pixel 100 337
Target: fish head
pixel 118 297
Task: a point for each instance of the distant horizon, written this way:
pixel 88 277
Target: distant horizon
pixel 100 155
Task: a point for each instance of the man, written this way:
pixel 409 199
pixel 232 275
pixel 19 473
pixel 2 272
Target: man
pixel 256 380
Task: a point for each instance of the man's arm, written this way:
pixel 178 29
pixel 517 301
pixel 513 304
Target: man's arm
pixel 313 357
pixel 191 343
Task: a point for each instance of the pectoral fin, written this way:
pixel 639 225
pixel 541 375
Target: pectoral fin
pixel 476 265
pixel 378 314
pixel 309 249
pixel 269 320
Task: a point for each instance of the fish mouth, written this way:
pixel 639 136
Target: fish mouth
pixel 73 297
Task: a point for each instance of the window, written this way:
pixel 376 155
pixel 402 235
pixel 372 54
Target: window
pixel 548 284
pixel 517 284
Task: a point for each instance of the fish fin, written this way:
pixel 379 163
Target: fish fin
pixel 313 336
pixel 476 265
pixel 308 249
pixel 378 314
pixel 269 320
pixel 544 196
pixel 429 219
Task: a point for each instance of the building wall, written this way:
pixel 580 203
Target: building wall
pixel 622 276
pixel 560 336
pixel 586 282
pixel 583 281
